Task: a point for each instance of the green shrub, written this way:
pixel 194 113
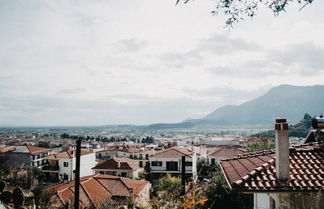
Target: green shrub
pixel 2 186
pixel 6 197
pixel 18 197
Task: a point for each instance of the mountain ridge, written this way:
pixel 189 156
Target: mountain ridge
pixel 286 101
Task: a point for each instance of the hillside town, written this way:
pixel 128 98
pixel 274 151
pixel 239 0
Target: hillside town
pixel 130 173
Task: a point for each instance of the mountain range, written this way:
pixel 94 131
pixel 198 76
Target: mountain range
pixel 286 101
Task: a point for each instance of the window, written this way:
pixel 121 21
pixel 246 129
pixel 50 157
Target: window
pixel 156 163
pixel 188 163
pixel 171 166
pixel 146 156
pixel 141 164
pixel 101 172
pixel 131 156
pixel 123 174
pixel 140 156
pixel 66 164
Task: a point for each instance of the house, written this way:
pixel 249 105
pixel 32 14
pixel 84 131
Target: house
pixel 62 165
pixel 98 189
pixel 136 152
pixel 124 167
pixel 285 178
pixel 224 152
pixel 169 161
pixel 21 156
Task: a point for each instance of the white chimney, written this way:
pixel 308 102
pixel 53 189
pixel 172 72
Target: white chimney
pixel 282 149
pixel 118 163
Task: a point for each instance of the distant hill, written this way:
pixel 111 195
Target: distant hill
pixel 300 129
pixel 285 101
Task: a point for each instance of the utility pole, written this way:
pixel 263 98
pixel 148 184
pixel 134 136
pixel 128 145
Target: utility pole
pixel 183 174
pixel 77 175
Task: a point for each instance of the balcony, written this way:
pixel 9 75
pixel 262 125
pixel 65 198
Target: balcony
pixel 49 168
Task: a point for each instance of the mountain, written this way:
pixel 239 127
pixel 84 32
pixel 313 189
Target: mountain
pixel 300 129
pixel 285 101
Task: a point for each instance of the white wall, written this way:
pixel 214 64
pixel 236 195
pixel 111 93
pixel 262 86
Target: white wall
pixel 87 162
pixel 261 201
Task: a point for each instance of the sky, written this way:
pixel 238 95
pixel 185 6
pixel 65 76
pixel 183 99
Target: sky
pixel 98 62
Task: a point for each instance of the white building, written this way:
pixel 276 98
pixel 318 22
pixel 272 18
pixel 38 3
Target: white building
pixel 123 167
pixel 169 161
pixel 61 166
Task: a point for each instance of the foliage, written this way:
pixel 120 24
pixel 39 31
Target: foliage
pixel 4 171
pixel 220 196
pixel 6 197
pixel 205 170
pixel 42 197
pixel 2 186
pixel 170 185
pixel 263 144
pixel 300 129
pixel 168 193
pixel 43 144
pixel 242 9
pixel 28 179
pixel 18 197
pixel 148 140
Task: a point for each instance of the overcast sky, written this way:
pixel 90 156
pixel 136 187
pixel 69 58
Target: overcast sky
pixel 96 62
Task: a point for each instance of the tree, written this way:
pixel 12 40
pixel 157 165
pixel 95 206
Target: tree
pixel 241 9
pixel 263 144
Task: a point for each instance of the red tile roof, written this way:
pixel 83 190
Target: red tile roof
pixel 33 150
pixel 66 154
pixel 257 171
pixel 112 164
pixel 174 152
pixel 227 152
pixel 96 189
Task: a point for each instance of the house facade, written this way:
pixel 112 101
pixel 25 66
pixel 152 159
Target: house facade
pixel 21 156
pixel 169 161
pixel 123 167
pixel 61 165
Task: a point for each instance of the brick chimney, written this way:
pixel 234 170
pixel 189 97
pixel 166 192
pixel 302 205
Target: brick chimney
pixel 282 149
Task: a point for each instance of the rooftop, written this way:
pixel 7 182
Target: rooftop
pixel 227 152
pixel 96 189
pixel 112 164
pixel 66 154
pixel 33 150
pixel 257 171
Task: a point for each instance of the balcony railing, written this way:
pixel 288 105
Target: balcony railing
pixel 49 168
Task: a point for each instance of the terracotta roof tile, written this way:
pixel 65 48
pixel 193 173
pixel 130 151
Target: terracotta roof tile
pixel 227 152
pixel 173 152
pixel 66 154
pixel 257 172
pixel 33 150
pixel 112 164
pixel 95 189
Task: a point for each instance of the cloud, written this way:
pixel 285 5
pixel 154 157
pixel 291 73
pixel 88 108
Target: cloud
pixel 224 44
pixel 71 91
pixel 303 58
pixel 130 45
